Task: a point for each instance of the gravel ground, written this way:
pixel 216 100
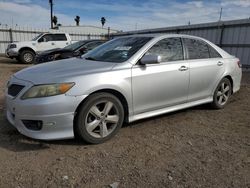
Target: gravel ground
pixel 197 147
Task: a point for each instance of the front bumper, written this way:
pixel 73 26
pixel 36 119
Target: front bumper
pixel 56 113
pixel 11 52
pixel 43 58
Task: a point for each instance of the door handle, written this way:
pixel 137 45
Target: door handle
pixel 183 68
pixel 219 63
pixel 52 43
pixel 67 43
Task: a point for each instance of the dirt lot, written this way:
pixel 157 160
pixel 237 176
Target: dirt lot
pixel 197 147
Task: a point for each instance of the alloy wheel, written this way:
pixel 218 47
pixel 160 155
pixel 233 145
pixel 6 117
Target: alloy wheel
pixel 102 119
pixel 223 93
pixel 28 57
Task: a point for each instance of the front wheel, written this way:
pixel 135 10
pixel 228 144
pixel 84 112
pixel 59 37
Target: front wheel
pixel 27 56
pixel 222 94
pixel 99 118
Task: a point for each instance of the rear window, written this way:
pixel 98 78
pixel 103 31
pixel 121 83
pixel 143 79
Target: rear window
pixel 59 37
pixel 196 49
pixel 213 53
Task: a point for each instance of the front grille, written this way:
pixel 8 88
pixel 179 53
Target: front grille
pixel 14 89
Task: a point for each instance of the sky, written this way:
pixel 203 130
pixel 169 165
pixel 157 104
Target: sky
pixel 121 14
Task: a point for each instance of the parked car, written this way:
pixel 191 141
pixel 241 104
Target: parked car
pixel 125 79
pixel 73 50
pixel 25 51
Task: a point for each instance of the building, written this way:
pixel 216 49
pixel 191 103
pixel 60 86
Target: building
pixel 86 29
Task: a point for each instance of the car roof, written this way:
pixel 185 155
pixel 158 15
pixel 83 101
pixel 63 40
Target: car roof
pixel 162 35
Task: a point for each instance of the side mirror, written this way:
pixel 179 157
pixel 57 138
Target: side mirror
pixel 150 59
pixel 83 50
pixel 77 53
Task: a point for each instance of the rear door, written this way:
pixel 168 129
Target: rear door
pixel 157 86
pixel 206 68
pixel 60 40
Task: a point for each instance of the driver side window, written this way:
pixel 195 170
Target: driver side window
pixel 170 49
pixel 45 38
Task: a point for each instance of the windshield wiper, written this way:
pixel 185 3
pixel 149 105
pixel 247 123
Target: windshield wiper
pixel 90 58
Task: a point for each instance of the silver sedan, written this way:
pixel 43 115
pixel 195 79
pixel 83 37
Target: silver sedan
pixel 124 80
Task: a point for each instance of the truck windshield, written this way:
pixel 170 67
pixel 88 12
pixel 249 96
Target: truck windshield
pixel 37 37
pixel 117 50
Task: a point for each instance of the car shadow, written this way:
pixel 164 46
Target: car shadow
pixel 6 60
pixel 12 140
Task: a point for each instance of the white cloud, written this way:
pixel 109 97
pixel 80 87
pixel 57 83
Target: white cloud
pixel 241 3
pixel 22 1
pixel 128 16
pixel 22 14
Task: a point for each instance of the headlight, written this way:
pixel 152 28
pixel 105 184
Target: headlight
pixel 53 57
pixel 47 90
pixel 56 56
pixel 12 46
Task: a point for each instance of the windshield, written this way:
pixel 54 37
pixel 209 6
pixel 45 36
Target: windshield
pixel 37 37
pixel 75 45
pixel 118 50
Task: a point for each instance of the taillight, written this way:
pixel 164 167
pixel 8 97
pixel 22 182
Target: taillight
pixel 239 64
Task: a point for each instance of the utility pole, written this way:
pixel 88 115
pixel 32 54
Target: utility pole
pixel 220 14
pixel 51 13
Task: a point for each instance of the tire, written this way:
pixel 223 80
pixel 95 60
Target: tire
pixel 27 57
pixel 222 94
pixel 17 58
pixel 99 118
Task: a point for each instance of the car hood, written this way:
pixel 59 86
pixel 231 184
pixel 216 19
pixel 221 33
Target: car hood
pixel 54 51
pixel 62 70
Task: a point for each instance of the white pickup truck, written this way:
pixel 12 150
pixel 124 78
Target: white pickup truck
pixel 25 51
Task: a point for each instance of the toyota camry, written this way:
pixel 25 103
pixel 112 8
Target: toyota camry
pixel 124 80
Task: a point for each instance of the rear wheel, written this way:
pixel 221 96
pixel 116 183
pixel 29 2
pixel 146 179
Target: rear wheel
pixel 222 94
pixel 99 118
pixel 27 56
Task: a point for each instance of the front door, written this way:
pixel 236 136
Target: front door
pixel 45 43
pixel 157 86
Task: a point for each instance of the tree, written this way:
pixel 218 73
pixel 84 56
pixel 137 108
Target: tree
pixel 77 20
pixel 54 20
pixel 103 21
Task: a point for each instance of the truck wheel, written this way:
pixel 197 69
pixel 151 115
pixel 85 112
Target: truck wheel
pixel 27 56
